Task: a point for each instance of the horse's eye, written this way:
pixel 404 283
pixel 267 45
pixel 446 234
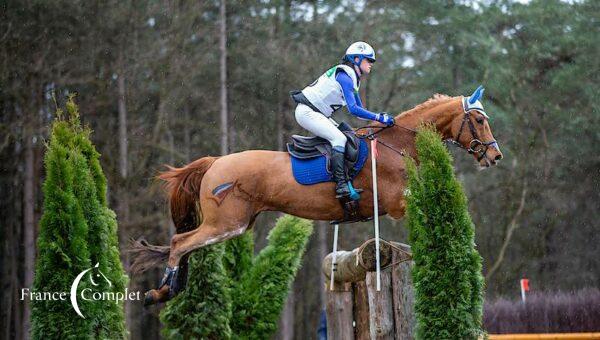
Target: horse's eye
pixel 479 120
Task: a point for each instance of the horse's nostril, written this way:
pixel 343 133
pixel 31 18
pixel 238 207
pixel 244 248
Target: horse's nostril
pixel 498 157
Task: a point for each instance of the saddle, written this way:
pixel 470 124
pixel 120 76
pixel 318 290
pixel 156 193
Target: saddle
pixel 305 148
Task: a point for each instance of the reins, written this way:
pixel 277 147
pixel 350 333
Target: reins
pixel 473 147
pixel 372 134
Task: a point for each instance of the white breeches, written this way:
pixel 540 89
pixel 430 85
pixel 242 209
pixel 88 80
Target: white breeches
pixel 320 125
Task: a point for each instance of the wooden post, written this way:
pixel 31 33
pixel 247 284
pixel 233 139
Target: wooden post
pixel 381 312
pixel 403 299
pixel 356 309
pixel 339 313
pixel 361 311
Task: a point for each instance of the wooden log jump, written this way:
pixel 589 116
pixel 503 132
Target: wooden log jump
pixel 355 309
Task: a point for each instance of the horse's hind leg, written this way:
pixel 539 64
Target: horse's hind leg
pixel 183 244
pixel 205 235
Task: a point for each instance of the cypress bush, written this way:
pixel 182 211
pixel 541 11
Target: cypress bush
pixel 259 296
pixel 447 272
pixel 238 256
pixel 62 248
pixel 230 293
pixel 103 244
pixel 77 224
pixel 203 309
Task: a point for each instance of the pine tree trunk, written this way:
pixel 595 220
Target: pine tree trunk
pixel 123 171
pixel 286 324
pixel 16 306
pixel 223 48
pixel 322 228
pixel 28 226
pixel 123 166
pixel 186 133
pixel 122 126
pixel 280 115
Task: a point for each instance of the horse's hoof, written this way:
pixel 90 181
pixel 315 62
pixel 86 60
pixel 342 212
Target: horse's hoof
pixel 149 299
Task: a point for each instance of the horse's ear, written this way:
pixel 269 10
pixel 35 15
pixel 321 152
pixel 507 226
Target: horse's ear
pixel 477 94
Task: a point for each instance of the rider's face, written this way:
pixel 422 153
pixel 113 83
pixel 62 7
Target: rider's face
pixel 365 66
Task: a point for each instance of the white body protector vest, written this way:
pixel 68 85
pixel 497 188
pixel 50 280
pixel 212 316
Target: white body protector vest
pixel 326 94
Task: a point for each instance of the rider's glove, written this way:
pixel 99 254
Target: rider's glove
pixel 385 119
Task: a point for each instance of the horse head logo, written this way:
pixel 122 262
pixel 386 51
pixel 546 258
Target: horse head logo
pixel 95 275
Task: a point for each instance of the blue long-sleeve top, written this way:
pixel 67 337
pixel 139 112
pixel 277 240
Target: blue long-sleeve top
pixel 352 98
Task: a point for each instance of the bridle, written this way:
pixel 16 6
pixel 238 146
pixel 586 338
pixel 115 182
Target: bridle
pixel 475 143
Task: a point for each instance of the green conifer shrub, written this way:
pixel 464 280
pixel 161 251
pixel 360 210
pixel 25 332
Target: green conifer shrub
pixel 203 309
pixel 230 293
pixel 62 246
pixel 447 272
pixel 96 240
pixel 259 296
pixel 238 256
pixel 103 241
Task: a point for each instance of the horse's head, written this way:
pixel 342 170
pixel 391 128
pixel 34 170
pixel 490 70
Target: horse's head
pixel 471 130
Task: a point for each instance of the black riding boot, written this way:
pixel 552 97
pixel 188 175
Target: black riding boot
pixel 339 174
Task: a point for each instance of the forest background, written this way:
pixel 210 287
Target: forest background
pixel 156 80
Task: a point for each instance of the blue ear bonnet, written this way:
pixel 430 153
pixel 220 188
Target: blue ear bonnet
pixel 477 94
pixel 472 102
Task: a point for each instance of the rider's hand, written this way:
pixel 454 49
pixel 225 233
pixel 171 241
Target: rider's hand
pixel 385 119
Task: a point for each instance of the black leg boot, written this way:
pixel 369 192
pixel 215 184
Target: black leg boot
pixel 339 174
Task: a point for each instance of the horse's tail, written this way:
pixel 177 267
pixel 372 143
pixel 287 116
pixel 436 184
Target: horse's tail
pixel 183 185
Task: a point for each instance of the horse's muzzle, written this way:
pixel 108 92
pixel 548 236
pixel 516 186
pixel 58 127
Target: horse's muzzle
pixel 490 157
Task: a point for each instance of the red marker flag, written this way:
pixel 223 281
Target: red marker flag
pixel 524 288
pixel 374 147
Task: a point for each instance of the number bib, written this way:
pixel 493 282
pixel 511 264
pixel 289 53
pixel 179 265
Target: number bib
pixel 326 94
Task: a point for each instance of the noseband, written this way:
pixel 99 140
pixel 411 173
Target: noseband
pixel 475 142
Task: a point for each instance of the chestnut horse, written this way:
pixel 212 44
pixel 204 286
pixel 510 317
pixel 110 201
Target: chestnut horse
pixel 227 193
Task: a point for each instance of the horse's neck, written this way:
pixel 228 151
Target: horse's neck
pixel 403 135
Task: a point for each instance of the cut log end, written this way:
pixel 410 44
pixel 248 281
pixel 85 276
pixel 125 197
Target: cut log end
pixel 352 266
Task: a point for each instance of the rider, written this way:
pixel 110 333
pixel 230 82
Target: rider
pixel 336 88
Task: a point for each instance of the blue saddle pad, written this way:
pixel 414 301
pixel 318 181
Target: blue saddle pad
pixel 314 170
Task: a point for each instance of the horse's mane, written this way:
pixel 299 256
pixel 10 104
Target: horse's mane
pixel 433 101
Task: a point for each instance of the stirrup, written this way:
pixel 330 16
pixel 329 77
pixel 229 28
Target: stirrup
pixel 351 210
pixel 354 194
